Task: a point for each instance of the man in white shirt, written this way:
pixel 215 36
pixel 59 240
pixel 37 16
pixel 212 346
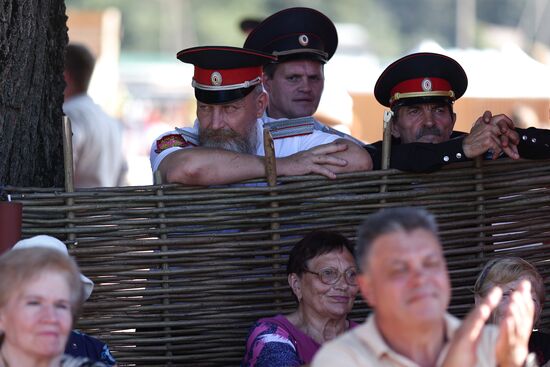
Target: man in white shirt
pixel 405 281
pixel 97 138
pixel 226 143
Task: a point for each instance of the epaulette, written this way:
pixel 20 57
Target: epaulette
pixel 181 140
pixel 292 127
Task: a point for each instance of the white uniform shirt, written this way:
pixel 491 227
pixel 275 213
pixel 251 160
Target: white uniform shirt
pixel 318 125
pixel 283 146
pixel 97 144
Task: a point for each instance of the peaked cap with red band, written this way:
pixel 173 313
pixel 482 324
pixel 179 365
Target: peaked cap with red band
pixel 421 78
pixel 224 74
pixel 295 33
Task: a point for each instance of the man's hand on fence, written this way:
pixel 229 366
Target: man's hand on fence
pixel 508 135
pixel 317 160
pixel 492 133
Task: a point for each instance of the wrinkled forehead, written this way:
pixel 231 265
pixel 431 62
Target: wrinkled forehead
pixel 341 258
pixel 48 282
pixel 303 66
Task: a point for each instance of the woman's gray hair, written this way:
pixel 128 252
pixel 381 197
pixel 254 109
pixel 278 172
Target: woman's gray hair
pixel 406 219
pixel 19 266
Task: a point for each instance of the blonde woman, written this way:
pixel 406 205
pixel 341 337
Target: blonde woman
pixel 40 295
pixel 508 272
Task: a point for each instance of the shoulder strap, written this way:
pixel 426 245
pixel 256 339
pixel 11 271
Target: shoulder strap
pixel 188 136
pixel 293 127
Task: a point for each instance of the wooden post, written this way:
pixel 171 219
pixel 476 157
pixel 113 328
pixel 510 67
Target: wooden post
pixel 165 267
pixel 271 175
pixel 386 148
pixel 478 162
pixel 386 142
pixel 69 171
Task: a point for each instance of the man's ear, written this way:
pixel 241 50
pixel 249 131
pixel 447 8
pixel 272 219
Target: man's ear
pixel 261 104
pixel 394 130
pixel 454 118
pixel 266 81
pixel 295 284
pixel 365 287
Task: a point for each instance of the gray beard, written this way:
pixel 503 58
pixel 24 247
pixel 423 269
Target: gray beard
pixel 229 140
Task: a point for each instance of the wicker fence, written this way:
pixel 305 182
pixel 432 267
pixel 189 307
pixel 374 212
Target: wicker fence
pixel 181 273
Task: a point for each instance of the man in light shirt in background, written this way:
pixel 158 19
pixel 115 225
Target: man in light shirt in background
pixel 97 138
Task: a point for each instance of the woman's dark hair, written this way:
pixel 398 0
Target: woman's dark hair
pixel 315 244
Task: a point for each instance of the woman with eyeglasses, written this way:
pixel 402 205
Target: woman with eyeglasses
pixel 322 275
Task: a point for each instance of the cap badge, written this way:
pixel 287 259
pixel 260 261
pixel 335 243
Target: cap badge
pixel 303 40
pixel 216 78
pixel 426 85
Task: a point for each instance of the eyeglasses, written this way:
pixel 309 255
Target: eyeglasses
pixel 331 276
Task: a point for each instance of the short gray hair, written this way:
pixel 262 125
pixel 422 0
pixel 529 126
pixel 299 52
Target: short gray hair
pixel 406 219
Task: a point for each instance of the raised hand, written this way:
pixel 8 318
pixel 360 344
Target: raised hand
pixel 463 346
pixel 516 327
pixel 512 347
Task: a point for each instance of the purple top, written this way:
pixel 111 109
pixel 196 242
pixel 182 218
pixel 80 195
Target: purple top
pixel 274 341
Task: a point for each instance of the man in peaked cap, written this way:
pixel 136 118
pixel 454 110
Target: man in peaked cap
pixel 226 143
pixel 420 90
pixel 303 40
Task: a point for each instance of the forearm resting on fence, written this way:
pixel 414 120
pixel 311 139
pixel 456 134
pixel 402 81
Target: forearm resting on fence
pixel 206 166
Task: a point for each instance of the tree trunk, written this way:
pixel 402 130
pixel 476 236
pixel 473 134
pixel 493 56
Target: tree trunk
pixel 33 36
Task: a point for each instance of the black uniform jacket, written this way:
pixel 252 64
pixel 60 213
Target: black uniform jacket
pixel 427 157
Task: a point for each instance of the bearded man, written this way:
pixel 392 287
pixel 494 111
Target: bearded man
pixel 226 143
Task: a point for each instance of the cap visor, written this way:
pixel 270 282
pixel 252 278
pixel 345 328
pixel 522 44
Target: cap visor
pixel 222 96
